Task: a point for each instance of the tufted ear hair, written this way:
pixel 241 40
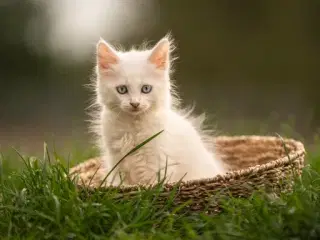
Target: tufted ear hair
pixel 160 54
pixel 106 56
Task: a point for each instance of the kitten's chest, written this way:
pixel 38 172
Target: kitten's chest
pixel 124 140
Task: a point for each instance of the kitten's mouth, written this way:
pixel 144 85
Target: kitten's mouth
pixel 135 110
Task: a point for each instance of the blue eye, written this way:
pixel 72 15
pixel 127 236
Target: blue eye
pixel 146 88
pixel 122 89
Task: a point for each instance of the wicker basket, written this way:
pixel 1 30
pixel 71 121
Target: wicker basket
pixel 254 162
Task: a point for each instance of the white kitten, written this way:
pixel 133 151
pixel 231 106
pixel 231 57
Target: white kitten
pixel 135 99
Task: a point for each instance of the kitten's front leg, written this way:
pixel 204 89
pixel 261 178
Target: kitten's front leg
pixel 114 177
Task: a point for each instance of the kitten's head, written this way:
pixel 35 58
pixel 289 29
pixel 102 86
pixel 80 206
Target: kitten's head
pixel 134 82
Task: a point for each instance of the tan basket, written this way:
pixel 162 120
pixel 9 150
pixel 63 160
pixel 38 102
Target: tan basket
pixel 254 162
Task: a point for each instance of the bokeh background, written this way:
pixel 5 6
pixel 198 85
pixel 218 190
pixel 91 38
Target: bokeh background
pixel 252 65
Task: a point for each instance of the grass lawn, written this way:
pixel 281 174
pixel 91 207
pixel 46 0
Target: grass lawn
pixel 39 202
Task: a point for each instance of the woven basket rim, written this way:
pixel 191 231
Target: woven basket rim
pixel 299 152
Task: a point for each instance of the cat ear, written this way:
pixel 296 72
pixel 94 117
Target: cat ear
pixel 106 55
pixel 160 54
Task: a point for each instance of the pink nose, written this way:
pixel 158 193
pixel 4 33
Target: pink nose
pixel 135 104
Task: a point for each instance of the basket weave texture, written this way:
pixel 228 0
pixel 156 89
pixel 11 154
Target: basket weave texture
pixel 253 162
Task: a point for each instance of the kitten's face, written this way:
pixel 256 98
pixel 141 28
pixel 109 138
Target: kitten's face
pixel 133 82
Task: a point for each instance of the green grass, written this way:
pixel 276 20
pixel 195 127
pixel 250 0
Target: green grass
pixel 40 202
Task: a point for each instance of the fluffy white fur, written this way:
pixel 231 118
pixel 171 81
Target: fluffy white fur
pixel 179 152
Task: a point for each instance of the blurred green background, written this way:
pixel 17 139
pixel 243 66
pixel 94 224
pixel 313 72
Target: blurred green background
pixel 252 65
